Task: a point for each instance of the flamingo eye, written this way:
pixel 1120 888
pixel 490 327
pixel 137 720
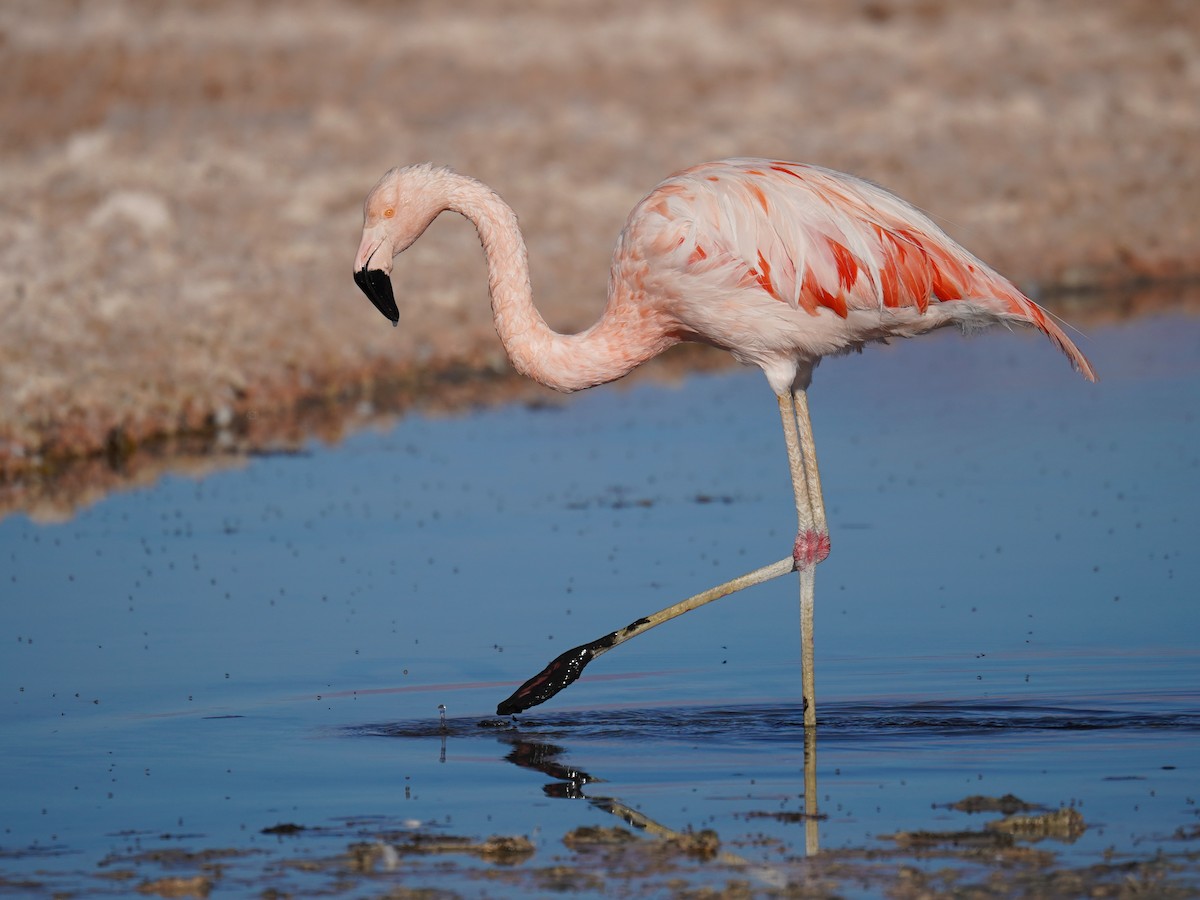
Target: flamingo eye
pixel 389 213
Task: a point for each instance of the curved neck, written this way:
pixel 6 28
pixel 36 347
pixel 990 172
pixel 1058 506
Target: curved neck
pixel 623 337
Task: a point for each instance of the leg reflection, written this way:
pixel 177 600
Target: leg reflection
pixel 569 784
pixel 812 815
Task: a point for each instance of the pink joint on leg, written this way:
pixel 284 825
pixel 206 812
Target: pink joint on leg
pixel 811 547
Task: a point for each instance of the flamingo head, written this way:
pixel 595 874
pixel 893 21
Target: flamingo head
pixel 396 213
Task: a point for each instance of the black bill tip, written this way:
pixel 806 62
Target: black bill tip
pixel 378 288
pixel 561 672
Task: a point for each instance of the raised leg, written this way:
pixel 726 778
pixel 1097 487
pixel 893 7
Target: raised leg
pixel 566 667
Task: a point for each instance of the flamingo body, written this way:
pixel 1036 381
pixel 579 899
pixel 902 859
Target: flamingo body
pixel 782 264
pixel 779 263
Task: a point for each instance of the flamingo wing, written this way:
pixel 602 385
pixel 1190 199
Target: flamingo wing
pixel 822 240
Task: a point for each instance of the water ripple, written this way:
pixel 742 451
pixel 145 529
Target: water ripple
pixel 757 724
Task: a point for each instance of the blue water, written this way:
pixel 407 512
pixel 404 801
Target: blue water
pixel 1010 607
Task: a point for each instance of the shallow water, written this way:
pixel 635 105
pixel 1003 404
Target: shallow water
pixel 1009 608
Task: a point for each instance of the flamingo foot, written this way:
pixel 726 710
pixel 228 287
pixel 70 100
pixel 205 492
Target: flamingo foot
pixel 811 547
pixel 561 672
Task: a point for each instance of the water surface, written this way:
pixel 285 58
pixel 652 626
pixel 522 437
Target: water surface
pixel 1009 608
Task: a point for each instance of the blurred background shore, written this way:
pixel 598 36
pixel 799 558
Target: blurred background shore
pixel 181 185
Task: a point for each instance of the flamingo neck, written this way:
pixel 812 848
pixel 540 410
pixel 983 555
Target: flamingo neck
pixel 624 336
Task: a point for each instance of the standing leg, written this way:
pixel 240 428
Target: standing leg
pixel 808 655
pixel 812 534
pixel 819 545
pixel 808 449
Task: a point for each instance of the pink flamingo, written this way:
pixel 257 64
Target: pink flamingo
pixel 779 263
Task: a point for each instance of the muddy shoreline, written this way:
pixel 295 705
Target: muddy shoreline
pixel 182 187
pixel 1000 857
pixel 67 477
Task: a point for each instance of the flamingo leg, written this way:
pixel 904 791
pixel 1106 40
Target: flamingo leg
pixel 812 546
pixel 808 448
pixel 808 679
pixel 812 533
pixel 566 667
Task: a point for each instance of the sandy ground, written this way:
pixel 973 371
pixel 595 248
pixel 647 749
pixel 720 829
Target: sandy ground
pixel 181 184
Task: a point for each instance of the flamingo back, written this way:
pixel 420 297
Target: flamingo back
pixel 828 244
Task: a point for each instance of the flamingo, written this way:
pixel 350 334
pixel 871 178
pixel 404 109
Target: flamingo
pixel 779 263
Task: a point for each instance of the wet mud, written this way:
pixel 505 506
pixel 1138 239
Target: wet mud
pixel 1002 857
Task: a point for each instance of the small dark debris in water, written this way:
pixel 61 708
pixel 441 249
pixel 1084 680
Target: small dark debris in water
pixel 703 844
pixel 176 858
pixel 212 863
pixel 284 828
pixel 616 498
pixel 115 875
pixel 710 498
pixel 503 849
pixel 277 452
pixel 596 835
pixel 1063 824
pixel 1123 778
pixel 366 858
pixel 196 886
pixel 785 816
pixel 1008 804
pixel 965 838
pixel 566 880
